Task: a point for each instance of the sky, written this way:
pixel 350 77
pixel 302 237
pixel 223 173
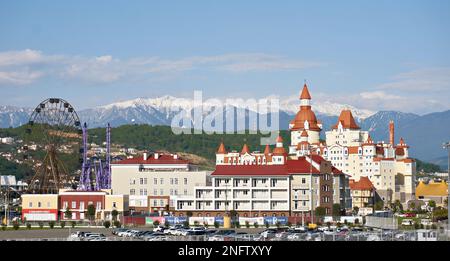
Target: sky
pixel 376 55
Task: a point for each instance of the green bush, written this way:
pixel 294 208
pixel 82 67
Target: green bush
pixel 41 225
pixel 196 223
pixel 267 225
pixel 51 224
pixel 216 224
pixel 28 225
pixel 256 225
pixel 237 224
pixel 107 224
pixel 62 224
pixel 433 226
pixel 3 227
pixel 278 224
pixel 206 225
pixel 247 224
pixel 186 223
pixel 155 223
pixel 73 224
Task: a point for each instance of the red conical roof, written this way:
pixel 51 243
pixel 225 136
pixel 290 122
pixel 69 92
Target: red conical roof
pixel 245 149
pixel 267 149
pixel 221 149
pixel 279 139
pixel 305 93
pixel 347 121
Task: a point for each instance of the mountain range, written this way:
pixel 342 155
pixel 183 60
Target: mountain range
pixel 424 133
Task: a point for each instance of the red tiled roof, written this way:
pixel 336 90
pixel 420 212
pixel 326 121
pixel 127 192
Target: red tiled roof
pixel 364 183
pixel 162 159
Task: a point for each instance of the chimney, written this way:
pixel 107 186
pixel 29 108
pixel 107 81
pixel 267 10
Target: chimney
pixel 156 155
pixel 145 156
pixel 391 133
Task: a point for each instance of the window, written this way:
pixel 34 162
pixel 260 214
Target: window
pixel 155 181
pixel 161 181
pixel 48 204
pixel 171 192
pixel 145 181
pixel 145 192
pixel 303 180
pixel 185 181
pixel 132 192
pixel 114 205
pixel 39 204
pixel 82 205
pixel 30 204
pixel 185 191
pixel 176 181
pixel 99 205
pixel 65 204
pixel 74 204
pixel 141 181
pixel 171 181
pixel 161 203
pixel 155 192
pixel 155 202
pixel 161 192
pixel 74 215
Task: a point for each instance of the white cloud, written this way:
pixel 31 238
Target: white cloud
pixel 106 68
pixel 434 79
pixel 19 78
pixel 375 95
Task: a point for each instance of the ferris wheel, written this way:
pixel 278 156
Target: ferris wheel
pixel 55 124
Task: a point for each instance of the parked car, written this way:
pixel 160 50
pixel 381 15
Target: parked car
pixel 159 229
pixel 117 230
pixel 426 222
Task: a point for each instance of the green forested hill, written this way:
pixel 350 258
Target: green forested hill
pixel 162 138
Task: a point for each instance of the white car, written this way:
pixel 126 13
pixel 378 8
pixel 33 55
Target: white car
pixel 159 229
pixel 216 238
pixel 426 222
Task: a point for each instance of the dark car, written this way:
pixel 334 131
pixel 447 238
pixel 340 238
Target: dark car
pixel 225 232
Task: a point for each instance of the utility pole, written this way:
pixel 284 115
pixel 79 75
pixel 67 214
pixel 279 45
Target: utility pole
pixel 447 147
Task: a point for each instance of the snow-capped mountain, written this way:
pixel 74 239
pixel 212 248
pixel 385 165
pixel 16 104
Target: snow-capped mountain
pixel 161 110
pixel 11 116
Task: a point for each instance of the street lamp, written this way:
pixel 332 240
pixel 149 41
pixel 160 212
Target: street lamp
pixel 447 147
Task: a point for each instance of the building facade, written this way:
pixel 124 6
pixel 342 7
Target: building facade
pixel 154 177
pixel 363 193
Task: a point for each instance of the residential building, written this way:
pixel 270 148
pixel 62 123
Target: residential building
pixel 40 207
pixel 154 175
pixel 434 190
pixel 363 193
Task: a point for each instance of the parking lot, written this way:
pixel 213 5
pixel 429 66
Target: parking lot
pixel 178 233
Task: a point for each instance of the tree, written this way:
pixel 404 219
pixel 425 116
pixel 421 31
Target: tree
pixel 336 209
pixel 216 224
pixel 189 214
pixel 68 213
pixel 107 224
pixel 247 224
pixel 91 212
pixel 379 205
pixel 156 223
pixel 62 224
pixel 256 225
pixel 51 224
pixel 432 204
pixel 320 211
pixel 114 214
pixel 355 211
